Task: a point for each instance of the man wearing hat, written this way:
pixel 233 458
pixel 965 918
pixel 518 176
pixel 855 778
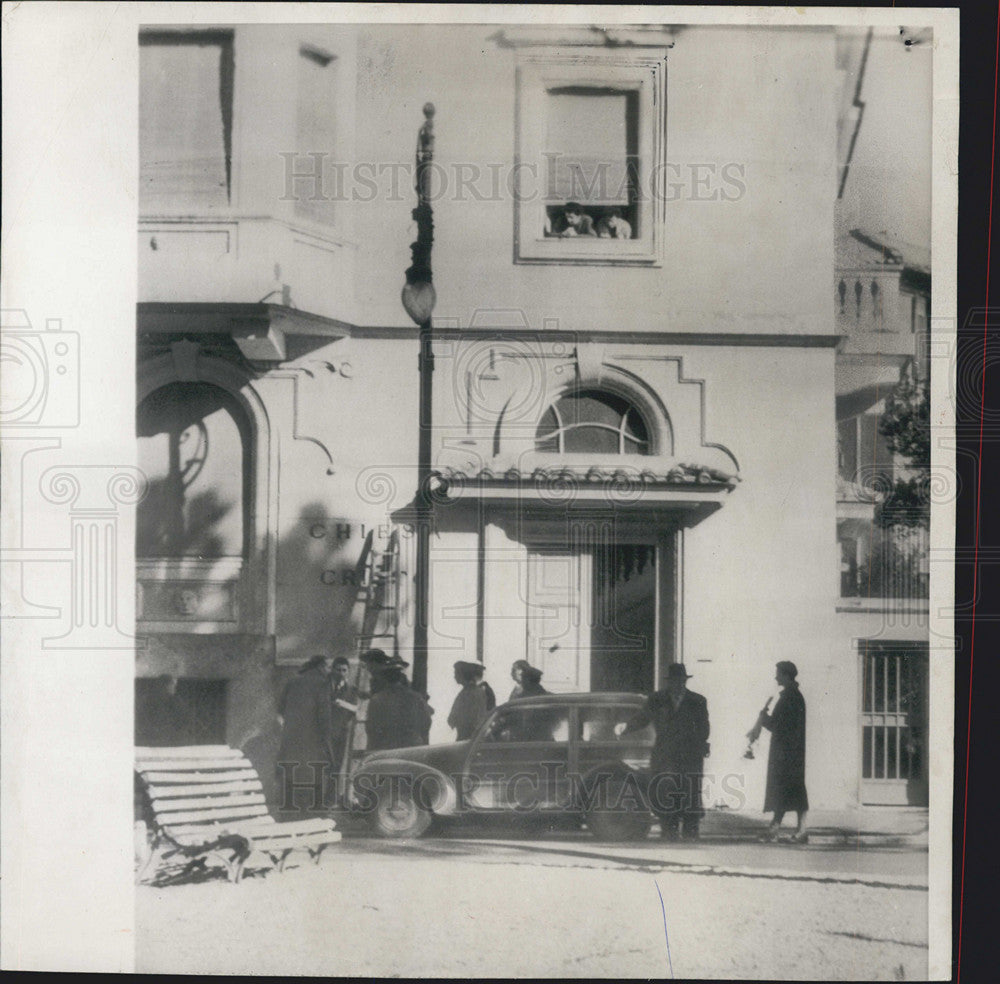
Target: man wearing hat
pixel 680 718
pixel 398 716
pixel 469 709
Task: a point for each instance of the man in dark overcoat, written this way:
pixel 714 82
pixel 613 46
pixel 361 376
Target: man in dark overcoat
pixel 680 717
pixel 306 756
pixel 786 760
pixel 398 716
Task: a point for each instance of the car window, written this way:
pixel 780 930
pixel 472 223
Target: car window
pixel 598 723
pixel 529 724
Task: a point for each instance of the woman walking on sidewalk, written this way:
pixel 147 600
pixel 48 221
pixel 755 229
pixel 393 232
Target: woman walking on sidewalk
pixel 786 761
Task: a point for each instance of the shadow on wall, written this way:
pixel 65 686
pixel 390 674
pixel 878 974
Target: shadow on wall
pixel 319 573
pixel 161 533
pixel 317 587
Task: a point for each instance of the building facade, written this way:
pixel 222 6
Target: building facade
pixel 633 431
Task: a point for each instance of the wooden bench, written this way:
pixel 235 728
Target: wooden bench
pixel 206 803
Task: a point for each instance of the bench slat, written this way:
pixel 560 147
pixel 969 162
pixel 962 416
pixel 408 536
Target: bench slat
pixel 209 816
pixel 189 777
pixel 207 789
pixel 192 765
pixel 288 843
pixel 186 751
pixel 256 831
pixel 292 827
pixel 199 833
pixel 164 807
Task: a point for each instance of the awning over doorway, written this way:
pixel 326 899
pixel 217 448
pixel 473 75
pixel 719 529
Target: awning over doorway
pixel 679 487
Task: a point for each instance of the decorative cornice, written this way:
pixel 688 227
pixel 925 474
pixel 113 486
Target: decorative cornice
pixel 644 36
pixel 740 339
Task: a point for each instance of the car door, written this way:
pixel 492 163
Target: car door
pixel 598 745
pixel 520 761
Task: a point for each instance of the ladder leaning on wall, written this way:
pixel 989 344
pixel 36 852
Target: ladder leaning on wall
pixel 378 596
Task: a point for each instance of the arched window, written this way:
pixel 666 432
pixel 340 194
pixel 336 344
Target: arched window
pixel 592 422
pixel 194 442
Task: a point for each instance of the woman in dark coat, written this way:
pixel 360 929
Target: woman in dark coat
pixel 306 711
pixel 516 670
pixel 786 762
pixel 470 708
pixel 530 683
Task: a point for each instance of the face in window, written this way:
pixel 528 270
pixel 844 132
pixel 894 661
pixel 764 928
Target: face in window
pixel 613 225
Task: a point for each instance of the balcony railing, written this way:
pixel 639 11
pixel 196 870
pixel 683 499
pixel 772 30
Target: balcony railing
pixel 884 563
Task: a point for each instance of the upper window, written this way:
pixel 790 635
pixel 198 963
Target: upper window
pixel 185 119
pixel 193 448
pixel 863 456
pixel 315 134
pixel 592 163
pixel 592 422
pixel 590 157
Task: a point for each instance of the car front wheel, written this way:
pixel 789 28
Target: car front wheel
pixel 397 814
pixel 618 812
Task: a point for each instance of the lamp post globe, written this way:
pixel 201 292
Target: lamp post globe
pixel 418 300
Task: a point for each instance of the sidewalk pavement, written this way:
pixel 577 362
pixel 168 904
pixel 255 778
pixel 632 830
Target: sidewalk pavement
pixel 881 826
pixel 860 827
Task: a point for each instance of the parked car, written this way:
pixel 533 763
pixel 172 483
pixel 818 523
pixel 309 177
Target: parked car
pixel 554 755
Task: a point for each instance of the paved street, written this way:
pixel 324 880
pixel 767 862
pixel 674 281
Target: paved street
pixel 512 902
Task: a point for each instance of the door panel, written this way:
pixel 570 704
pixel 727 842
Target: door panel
pixel 623 625
pixel 597 743
pixel 558 625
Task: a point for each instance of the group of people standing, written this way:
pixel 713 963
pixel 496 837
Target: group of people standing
pixel 476 698
pixel 317 711
pixel 318 708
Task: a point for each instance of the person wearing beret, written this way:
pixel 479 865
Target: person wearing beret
pixel 680 717
pixel 786 760
pixel 469 709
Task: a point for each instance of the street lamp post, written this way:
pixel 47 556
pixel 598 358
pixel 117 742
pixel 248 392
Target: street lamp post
pixel 418 297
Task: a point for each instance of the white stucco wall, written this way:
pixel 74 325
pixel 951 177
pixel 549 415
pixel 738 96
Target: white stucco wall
pixel 757 99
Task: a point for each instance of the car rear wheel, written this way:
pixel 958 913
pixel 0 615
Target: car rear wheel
pixel 397 814
pixel 618 812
